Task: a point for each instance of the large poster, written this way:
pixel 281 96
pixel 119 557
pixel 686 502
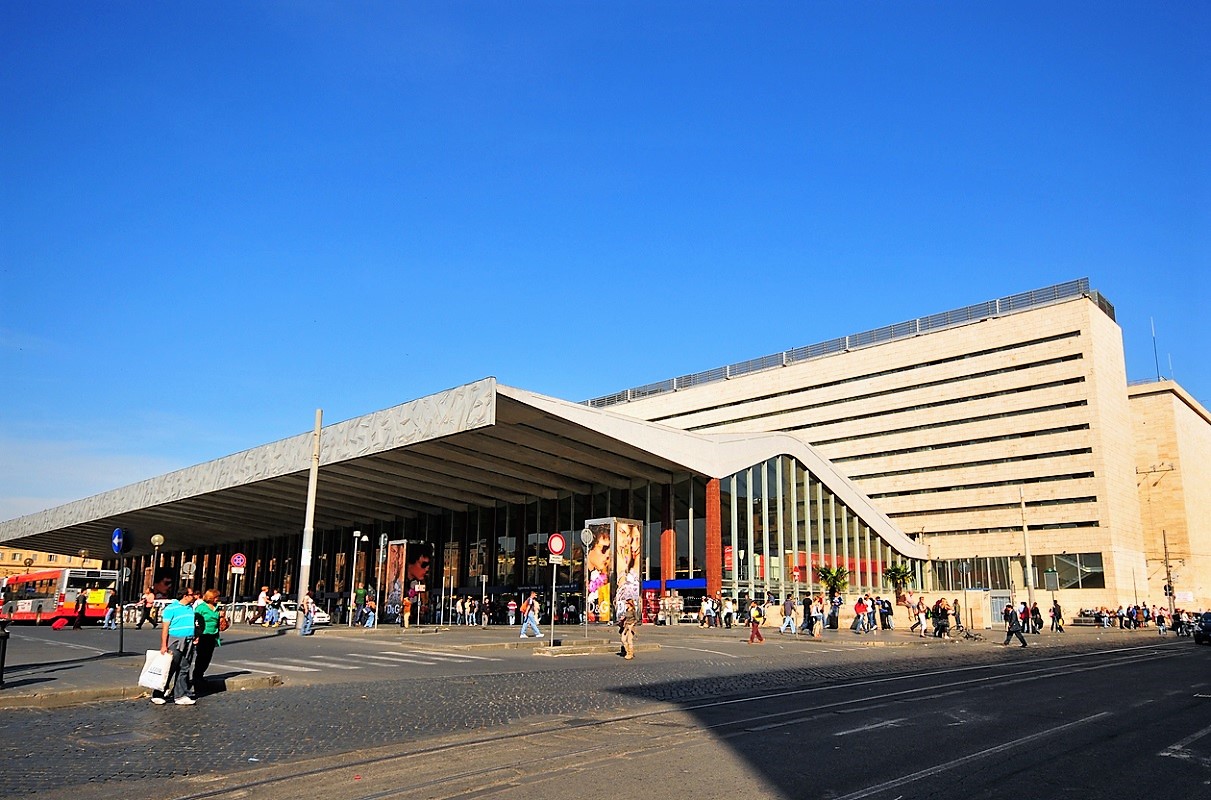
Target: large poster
pixel 613 566
pixel 628 555
pixel 397 556
pixel 598 560
pixel 407 581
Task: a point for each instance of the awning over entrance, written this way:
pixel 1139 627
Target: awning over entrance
pixel 474 445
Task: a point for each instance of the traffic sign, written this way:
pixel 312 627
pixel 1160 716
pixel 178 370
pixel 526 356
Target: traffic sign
pixel 556 544
pixel 237 570
pixel 187 569
pixel 120 542
pixel 554 559
pixel 238 560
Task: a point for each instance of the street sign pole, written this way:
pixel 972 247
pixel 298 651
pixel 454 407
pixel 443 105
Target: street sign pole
pixel 586 539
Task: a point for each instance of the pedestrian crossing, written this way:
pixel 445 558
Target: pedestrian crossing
pixel 355 661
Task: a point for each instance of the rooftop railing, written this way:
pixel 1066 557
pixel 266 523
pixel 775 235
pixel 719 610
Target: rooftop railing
pixel 1012 304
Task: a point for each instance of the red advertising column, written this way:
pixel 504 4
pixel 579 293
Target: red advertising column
pixel 714 539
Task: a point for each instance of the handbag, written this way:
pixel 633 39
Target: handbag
pixel 155 670
pixel 224 623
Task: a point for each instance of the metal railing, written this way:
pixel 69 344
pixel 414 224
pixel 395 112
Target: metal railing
pixel 1012 304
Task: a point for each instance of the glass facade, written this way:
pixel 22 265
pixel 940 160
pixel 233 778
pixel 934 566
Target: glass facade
pixel 780 524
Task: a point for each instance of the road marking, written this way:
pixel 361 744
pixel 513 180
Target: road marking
pixel 399 659
pixel 276 666
pixel 698 650
pixel 240 668
pixel 991 751
pixel 424 654
pixel 462 656
pixel 1178 749
pixel 320 661
pixel 891 723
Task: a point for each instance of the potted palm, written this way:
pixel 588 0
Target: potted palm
pixel 835 579
pixel 898 576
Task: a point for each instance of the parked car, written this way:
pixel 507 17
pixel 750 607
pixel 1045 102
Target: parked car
pixel 1202 628
pixel 242 612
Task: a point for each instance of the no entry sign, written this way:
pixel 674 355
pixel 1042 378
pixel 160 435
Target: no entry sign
pixel 556 544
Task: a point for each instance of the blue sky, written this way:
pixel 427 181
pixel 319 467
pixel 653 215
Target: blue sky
pixel 216 217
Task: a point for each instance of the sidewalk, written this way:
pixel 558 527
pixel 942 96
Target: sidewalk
pixel 77 679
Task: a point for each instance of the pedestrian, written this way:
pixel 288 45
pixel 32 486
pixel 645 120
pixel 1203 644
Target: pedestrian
pixel 922 615
pixel 1057 617
pixel 529 616
pixel 755 617
pixel 511 607
pixel 262 607
pixel 859 623
pixel 307 609
pixel 178 636
pixel 369 613
pixel 1013 626
pixel 405 611
pixel 146 603
pixel 111 611
pixel 788 615
pixel 626 629
pixel 941 620
pixel 273 611
pixel 81 608
pixel 1036 619
pixel 210 623
pixel 729 612
pixel 1161 621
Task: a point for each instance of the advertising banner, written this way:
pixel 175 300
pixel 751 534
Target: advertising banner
pixel 628 558
pixel 599 561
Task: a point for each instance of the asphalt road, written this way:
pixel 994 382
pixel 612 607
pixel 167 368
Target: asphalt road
pixel 705 717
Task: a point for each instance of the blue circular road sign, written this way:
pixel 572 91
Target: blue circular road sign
pixel 116 541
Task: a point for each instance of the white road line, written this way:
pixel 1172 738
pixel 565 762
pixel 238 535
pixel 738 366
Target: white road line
pixel 1178 749
pixel 425 654
pixel 316 660
pixel 400 659
pixel 697 650
pixel 464 656
pixel 891 723
pixel 947 765
pixel 277 666
pixel 239 667
pixel 331 662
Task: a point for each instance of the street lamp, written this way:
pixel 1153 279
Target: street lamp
pixel 83 552
pixel 29 562
pixel 156 542
pixel 358 536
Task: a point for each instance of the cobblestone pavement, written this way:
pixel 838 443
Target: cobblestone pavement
pixel 132 748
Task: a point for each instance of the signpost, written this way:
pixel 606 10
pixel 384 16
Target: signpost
pixel 555 546
pixel 121 545
pixel 238 562
pixel 586 538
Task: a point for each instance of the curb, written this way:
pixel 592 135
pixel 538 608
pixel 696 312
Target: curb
pixel 71 697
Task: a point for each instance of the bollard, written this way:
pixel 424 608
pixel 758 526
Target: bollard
pixel 3 648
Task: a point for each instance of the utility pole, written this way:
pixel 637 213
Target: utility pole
pixel 1028 567
pixel 1168 574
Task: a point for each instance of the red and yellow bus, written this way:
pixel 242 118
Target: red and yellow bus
pixel 47 595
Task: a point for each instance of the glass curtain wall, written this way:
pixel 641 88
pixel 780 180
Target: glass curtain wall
pixel 781 524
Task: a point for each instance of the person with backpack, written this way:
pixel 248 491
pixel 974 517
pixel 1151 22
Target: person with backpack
pixel 529 616
pixel 1013 626
pixel 755 617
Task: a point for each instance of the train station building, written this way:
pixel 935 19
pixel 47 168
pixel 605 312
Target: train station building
pixel 983 447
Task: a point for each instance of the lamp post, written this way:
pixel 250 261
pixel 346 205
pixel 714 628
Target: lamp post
pixel 157 541
pixel 83 553
pixel 357 537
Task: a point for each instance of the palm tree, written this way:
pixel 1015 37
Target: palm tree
pixel 899 576
pixel 835 579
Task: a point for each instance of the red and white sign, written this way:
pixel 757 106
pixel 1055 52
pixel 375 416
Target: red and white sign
pixel 238 560
pixel 556 544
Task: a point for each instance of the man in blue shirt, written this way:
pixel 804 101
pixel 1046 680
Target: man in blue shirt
pixel 178 635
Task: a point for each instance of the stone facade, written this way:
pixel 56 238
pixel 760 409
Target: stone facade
pixel 947 432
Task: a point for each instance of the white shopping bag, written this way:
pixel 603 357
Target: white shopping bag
pixel 155 670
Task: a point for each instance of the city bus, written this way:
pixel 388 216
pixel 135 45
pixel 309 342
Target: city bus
pixel 50 594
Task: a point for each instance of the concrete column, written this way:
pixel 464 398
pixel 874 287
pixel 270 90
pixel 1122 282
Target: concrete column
pixel 668 538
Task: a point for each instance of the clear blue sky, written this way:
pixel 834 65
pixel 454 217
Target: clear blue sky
pixel 216 217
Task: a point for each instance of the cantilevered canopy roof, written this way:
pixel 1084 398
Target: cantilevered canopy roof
pixel 474 445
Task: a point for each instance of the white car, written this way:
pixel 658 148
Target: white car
pixel 240 613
